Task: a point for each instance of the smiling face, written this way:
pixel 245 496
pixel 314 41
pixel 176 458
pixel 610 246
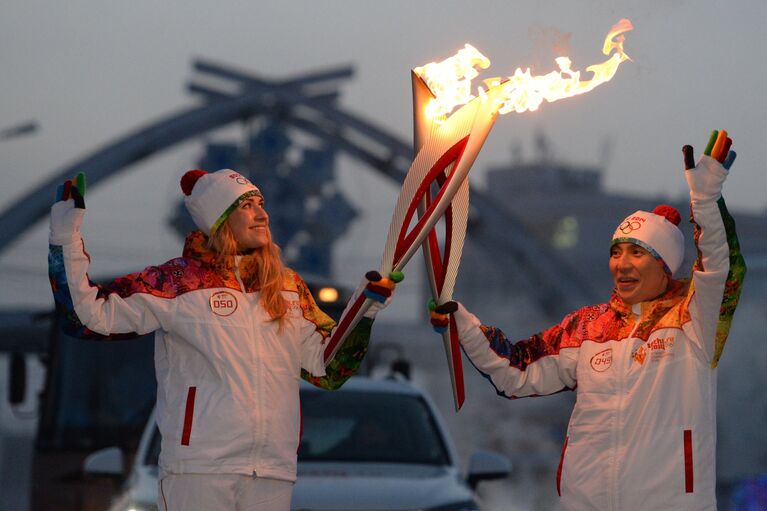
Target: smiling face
pixel 249 223
pixel 637 275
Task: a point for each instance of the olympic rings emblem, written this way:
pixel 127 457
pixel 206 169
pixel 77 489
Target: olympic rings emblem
pixel 240 179
pixel 629 226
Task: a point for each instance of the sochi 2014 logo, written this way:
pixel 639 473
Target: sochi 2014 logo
pixel 631 224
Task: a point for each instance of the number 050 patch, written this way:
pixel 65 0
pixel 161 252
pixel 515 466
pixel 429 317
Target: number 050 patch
pixel 223 303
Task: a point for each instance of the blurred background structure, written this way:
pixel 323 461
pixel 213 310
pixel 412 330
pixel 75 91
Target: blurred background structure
pixel 329 145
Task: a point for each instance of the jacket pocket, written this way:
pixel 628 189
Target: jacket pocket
pixel 559 468
pixel 186 433
pixel 689 475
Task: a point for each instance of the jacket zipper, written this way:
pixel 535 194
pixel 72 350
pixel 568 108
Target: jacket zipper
pixel 618 437
pixel 255 415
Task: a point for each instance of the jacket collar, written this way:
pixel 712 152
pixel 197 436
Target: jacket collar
pixel 196 247
pixel 675 292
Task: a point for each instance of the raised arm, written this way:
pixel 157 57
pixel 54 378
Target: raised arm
pixel 719 269
pixel 124 309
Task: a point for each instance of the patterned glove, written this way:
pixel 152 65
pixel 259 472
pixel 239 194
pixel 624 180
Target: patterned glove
pixel 380 290
pixel 67 215
pixel 439 316
pixel 707 177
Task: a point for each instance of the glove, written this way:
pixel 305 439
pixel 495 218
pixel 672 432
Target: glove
pixel 707 177
pixel 439 316
pixel 68 210
pixel 380 290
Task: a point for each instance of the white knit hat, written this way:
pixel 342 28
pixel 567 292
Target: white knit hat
pixel 210 197
pixel 656 232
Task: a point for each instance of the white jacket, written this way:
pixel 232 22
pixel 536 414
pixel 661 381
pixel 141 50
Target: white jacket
pixel 228 378
pixel 642 435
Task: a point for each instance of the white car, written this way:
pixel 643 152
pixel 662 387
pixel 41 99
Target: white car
pixel 372 445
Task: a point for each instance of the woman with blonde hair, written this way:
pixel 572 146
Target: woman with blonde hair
pixel 235 330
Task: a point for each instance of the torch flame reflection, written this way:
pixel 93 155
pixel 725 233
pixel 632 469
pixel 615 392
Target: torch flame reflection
pixel 450 80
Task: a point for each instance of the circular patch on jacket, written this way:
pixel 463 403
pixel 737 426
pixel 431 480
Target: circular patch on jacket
pixel 223 303
pixel 602 360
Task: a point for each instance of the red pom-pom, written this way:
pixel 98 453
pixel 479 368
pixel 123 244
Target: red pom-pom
pixel 189 179
pixel 669 212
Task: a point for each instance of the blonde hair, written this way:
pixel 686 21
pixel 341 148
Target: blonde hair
pixel 262 268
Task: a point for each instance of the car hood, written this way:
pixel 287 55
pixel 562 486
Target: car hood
pixel 367 486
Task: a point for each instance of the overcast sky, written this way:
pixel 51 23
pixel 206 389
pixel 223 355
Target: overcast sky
pixel 88 72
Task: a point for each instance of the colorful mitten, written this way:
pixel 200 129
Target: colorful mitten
pixel 707 177
pixel 439 316
pixel 67 215
pixel 380 290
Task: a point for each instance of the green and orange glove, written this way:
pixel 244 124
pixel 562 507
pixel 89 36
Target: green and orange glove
pixel 381 290
pixel 73 188
pixel 707 177
pixel 68 210
pixel 439 315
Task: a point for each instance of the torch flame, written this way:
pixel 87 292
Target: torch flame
pixel 450 80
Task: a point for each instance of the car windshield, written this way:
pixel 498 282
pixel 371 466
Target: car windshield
pixel 369 427
pixel 358 426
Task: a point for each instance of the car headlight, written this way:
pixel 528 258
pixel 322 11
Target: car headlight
pixel 139 507
pixel 132 506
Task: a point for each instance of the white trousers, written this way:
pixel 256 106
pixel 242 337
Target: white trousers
pixel 222 492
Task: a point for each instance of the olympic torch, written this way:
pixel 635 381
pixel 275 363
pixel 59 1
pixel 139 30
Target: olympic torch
pixel 444 161
pixel 442 262
pixel 447 145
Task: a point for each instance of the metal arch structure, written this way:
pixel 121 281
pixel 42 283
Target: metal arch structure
pixel 135 146
pixel 307 103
